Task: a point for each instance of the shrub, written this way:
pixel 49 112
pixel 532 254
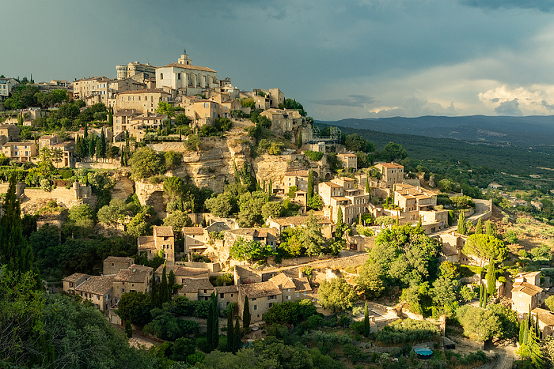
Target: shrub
pixel 314 155
pixel 407 331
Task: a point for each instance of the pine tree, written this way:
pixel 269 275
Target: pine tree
pixel 491 279
pixel 366 321
pixel 462 223
pixel 246 314
pixel 237 335
pixel 479 227
pixel 310 190
pixel 230 332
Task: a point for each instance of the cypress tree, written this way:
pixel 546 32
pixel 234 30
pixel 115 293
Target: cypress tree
pixel 264 188
pixel 310 190
pixel 367 189
pixel 110 116
pixel 479 227
pixel 15 250
pixel 85 135
pixel 525 331
pixel 521 332
pixel 230 332
pixel 237 335
pixel 491 279
pixel 246 314
pixel 128 329
pixel 481 295
pixel 489 228
pixel 154 294
pixel 215 328
pixel 299 142
pixel 210 327
pixel 366 321
pixel 171 283
pixel 270 189
pixel 164 288
pixel 102 144
pixel 338 225
pixel 462 223
pixel 485 297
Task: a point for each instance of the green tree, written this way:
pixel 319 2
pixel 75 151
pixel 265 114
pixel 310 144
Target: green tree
pixel 355 142
pixel 246 314
pixel 479 324
pixel 135 307
pixel 172 160
pixel 462 223
pixel 489 228
pixel 299 142
pixel 177 220
pixel 237 334
pixel 221 205
pixel 15 250
pixel 339 225
pixel 164 291
pixel 230 332
pixel 250 250
pixel 145 163
pixel 182 348
pixel 310 189
pixel 337 294
pixel 272 209
pixel 366 321
pixel 370 281
pixel 479 227
pixel 128 329
pixel 550 303
pixel 491 279
pixel 485 247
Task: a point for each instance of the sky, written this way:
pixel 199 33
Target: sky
pixel 340 59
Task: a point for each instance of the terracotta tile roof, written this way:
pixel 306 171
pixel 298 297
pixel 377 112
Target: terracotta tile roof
pixel 545 316
pixel 193 230
pixel 125 112
pixel 261 289
pixel 119 259
pixel 163 231
pixel 195 284
pixel 330 184
pixel 299 220
pixel 97 285
pixel 297 173
pixel 181 271
pixel 134 274
pixel 254 232
pixel 390 165
pixel 75 277
pixel 227 289
pixel 526 288
pixel 185 66
pixel 282 281
pixel 348 155
pixel 302 284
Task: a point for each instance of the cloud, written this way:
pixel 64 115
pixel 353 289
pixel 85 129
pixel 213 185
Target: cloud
pixel 546 6
pixel 508 108
pixel 523 100
pixel 413 106
pixel 350 100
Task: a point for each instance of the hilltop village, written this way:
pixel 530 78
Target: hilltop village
pixel 168 199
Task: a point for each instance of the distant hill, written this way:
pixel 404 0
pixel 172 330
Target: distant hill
pixel 520 131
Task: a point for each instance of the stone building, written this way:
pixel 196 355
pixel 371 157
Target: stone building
pixel 8 132
pixel 162 243
pixel 391 173
pixel 342 193
pixel 6 87
pixel 136 278
pixel 348 160
pixel 261 297
pixel 22 151
pixel 184 76
pixel 113 264
pixel 96 289
pixel 135 68
pixel 526 293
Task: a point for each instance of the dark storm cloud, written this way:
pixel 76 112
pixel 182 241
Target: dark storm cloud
pixel 510 107
pixel 546 6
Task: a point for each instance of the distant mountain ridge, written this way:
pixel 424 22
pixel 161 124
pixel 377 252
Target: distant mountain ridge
pixel 519 131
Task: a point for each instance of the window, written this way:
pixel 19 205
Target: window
pixel 255 307
pixel 161 76
pixel 178 75
pixel 297 294
pixel 221 295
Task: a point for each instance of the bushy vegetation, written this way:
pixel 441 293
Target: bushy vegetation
pixel 407 331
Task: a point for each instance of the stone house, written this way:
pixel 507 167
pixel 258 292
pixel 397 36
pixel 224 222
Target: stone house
pixel 282 120
pixel 6 87
pixel 8 132
pixel 266 236
pixel 342 193
pixel 227 295
pixel 452 245
pixel 136 278
pixel 526 293
pixel 195 239
pixel 96 289
pixel 161 243
pixel 348 160
pixel 261 297
pixel 546 321
pixel 22 152
pixel 182 272
pixel 391 173
pixel 292 289
pixel 196 289
pixel 113 264
pixel 298 178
